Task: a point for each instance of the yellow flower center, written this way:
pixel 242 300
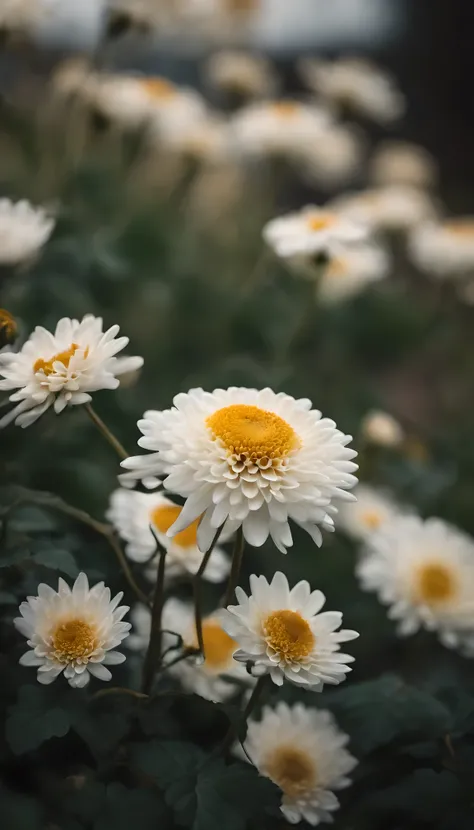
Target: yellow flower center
pixel 47 366
pixel 285 109
pixel 253 432
pixel 320 221
pixel 371 519
pixel 8 328
pixel 436 584
pixel 165 515
pixel 288 634
pixel 292 770
pixel 159 88
pixel 218 646
pixel 74 639
pixel 463 228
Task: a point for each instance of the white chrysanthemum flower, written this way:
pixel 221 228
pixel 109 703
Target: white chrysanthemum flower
pixel 247 457
pixel 283 633
pixel 403 163
pixel 352 272
pixel 134 515
pixel 134 101
pixel 444 248
pixel 212 679
pixel 335 158
pixel 395 208
pixel 423 570
pixel 383 429
pixel 61 369
pixel 303 752
pixel 73 631
pixel 24 230
pixel 204 141
pixel 357 85
pixel 240 73
pixel 277 128
pixel 310 231
pixel 372 510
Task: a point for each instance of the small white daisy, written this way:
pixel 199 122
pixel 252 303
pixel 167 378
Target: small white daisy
pixel 311 231
pixel 283 632
pixel 73 631
pixel 350 273
pixel 247 457
pixel 134 515
pixel 240 73
pixel 444 248
pixel 24 230
pixel 394 208
pixel 212 679
pixel 380 428
pixel 372 510
pixel 303 752
pixel 277 128
pixel 356 85
pixel 423 570
pixel 61 369
pixel 335 158
pixel 403 163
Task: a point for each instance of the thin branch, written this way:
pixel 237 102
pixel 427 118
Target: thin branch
pixel 197 591
pixel 237 557
pixel 153 655
pixel 119 690
pixel 251 703
pixel 105 431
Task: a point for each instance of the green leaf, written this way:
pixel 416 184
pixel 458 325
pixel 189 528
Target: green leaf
pixel 7 599
pixel 123 807
pixel 379 711
pixel 57 559
pixel 424 795
pixel 35 717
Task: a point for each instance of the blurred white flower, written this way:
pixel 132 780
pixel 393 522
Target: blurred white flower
pixel 205 140
pixel 372 510
pixel 282 632
pixel 400 162
pixel 73 631
pixel 24 15
pixel 312 231
pixel 61 369
pixel 423 570
pixel 212 679
pixel 356 85
pixel 444 248
pixel 134 515
pixel 380 428
pixel 247 457
pixel 335 158
pixel 351 272
pixel 73 76
pixel 24 230
pixel 303 752
pixel 277 128
pixel 240 73
pixel 395 208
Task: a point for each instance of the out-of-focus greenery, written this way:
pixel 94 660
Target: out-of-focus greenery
pixel 175 257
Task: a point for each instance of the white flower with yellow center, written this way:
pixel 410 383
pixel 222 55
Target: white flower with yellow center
pixel 73 631
pixel 335 158
pixel 394 208
pixel 311 231
pixel 24 230
pixel 303 752
pixel 278 128
pixel 351 272
pixel 380 428
pixel 212 679
pixel 356 85
pixel 372 510
pixel 444 248
pixel 400 162
pixel 423 570
pixel 61 369
pixel 247 457
pixel 240 73
pixel 283 633
pixel 138 517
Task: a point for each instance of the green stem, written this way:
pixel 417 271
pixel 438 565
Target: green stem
pixel 153 655
pixel 105 431
pixel 251 703
pixel 197 591
pixel 237 557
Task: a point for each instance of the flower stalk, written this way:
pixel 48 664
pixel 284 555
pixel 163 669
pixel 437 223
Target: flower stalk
pixel 237 557
pixel 105 431
pixel 197 583
pixel 153 655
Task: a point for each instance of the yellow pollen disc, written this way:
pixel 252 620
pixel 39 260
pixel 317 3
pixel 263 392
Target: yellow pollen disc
pixel 463 228
pixel 253 432
pixel 47 366
pixel 292 770
pixel 159 88
pixel 218 646
pixel 289 635
pixel 74 639
pixel 371 519
pixel 165 515
pixel 436 584
pixel 285 109
pixel 321 221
